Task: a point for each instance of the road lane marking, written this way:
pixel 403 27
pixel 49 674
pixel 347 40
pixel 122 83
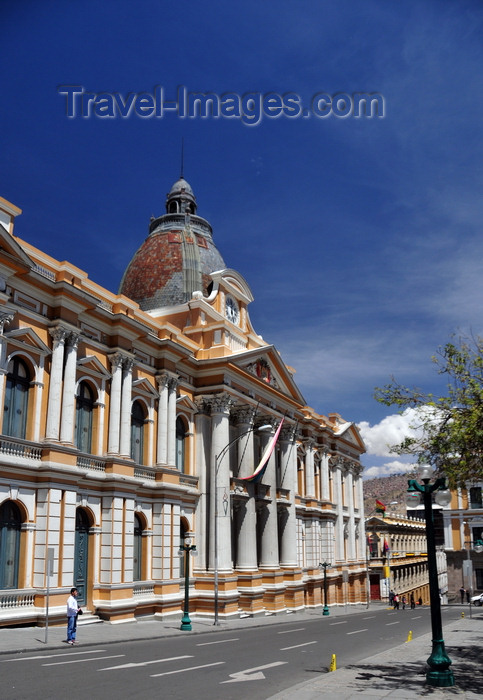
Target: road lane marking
pixel 81 661
pixel 299 629
pixel 298 645
pixel 53 656
pixel 371 617
pixel 418 617
pixel 357 631
pixel 388 624
pixel 221 641
pixel 143 663
pixel 183 670
pixel 344 622
pixel 252 674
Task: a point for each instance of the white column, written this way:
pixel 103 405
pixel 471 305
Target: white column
pixel 126 397
pixel 67 421
pixel 351 548
pixel 115 403
pixel 269 553
pixel 55 385
pixel 220 483
pixel 4 319
pixel 289 479
pixel 202 470
pixel 339 532
pixel 324 476
pixel 162 451
pixel 246 514
pixel 309 469
pixel 171 433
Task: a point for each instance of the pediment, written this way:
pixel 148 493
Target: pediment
pixel 93 365
pixel 11 250
pixel 186 403
pixel 27 339
pixel 144 386
pixel 350 433
pixel 266 365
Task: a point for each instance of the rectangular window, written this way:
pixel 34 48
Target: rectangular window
pixel 479 579
pixel 475 497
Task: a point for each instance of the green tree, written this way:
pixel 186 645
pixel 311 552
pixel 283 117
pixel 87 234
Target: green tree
pixel 448 429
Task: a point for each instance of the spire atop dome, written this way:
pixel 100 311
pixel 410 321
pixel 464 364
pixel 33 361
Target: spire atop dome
pixel 180 199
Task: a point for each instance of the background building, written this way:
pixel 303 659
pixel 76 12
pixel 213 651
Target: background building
pixel 130 420
pixel 463 530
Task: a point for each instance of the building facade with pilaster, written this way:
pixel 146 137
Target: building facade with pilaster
pixel 130 420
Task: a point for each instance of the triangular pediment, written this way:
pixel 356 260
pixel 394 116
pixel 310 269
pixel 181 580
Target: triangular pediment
pixel 266 365
pixel 350 433
pixel 94 366
pixel 12 252
pixel 27 339
pixel 186 403
pixel 144 386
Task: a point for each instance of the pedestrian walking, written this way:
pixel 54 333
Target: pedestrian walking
pixel 391 597
pixel 468 595
pixel 462 594
pixel 412 601
pixel 396 601
pixel 404 602
pixel 73 611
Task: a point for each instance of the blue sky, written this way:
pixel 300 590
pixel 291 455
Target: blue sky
pixel 360 238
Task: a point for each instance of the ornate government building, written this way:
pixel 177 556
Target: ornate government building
pixel 131 421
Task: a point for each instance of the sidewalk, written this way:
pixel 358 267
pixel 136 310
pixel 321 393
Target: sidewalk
pixel 397 673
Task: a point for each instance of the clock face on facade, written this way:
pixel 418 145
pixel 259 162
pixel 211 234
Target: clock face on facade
pixel 232 311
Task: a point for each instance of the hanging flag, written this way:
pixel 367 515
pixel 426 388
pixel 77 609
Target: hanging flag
pixel 257 475
pixel 380 507
pixel 385 547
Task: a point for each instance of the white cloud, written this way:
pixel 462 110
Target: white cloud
pixel 391 430
pixel 387 469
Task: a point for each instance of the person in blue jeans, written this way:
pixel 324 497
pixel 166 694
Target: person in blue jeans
pixel 72 612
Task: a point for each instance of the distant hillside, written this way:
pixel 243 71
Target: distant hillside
pixel 386 489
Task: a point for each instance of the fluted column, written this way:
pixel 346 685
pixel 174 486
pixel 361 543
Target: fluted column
pixel 351 549
pixel 289 477
pixel 339 533
pixel 115 403
pixel 269 523
pixel 171 433
pixel 220 483
pixel 67 420
pixel 324 476
pixel 162 447
pixel 126 400
pixel 5 318
pixel 246 514
pixel 55 386
pixel 309 469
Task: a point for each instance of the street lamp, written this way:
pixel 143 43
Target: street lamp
pixel 185 549
pixel 325 566
pixel 218 458
pixel 439 673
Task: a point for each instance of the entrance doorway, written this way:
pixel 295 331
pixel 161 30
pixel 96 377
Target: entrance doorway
pixel 81 554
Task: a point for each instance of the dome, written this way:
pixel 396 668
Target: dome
pixel 176 259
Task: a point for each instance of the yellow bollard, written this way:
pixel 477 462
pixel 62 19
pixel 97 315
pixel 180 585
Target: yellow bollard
pixel 462 614
pixel 410 637
pixel 333 664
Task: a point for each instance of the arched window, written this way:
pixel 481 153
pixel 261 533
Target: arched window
pixel 83 417
pixel 16 398
pixel 137 432
pixel 10 524
pixel 138 549
pixel 180 444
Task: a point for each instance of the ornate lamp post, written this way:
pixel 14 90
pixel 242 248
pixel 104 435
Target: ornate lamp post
pixel 325 566
pixel 185 549
pixel 218 458
pixel 439 673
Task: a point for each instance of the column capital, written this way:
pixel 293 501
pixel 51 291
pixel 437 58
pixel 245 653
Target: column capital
pixel 287 434
pixel 162 380
pixel 6 317
pixel 72 340
pixel 243 415
pixel 221 403
pixel 58 334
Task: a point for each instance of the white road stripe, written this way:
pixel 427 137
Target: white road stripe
pixel 357 631
pixel 344 622
pixel 144 663
pixel 81 661
pixel 183 670
pixel 371 617
pixel 221 641
pixel 298 645
pixel 52 656
pixel 299 629
pixel 388 624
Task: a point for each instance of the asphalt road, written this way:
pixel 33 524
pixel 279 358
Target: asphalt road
pixel 224 664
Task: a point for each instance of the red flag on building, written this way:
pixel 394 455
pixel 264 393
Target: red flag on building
pixel 380 507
